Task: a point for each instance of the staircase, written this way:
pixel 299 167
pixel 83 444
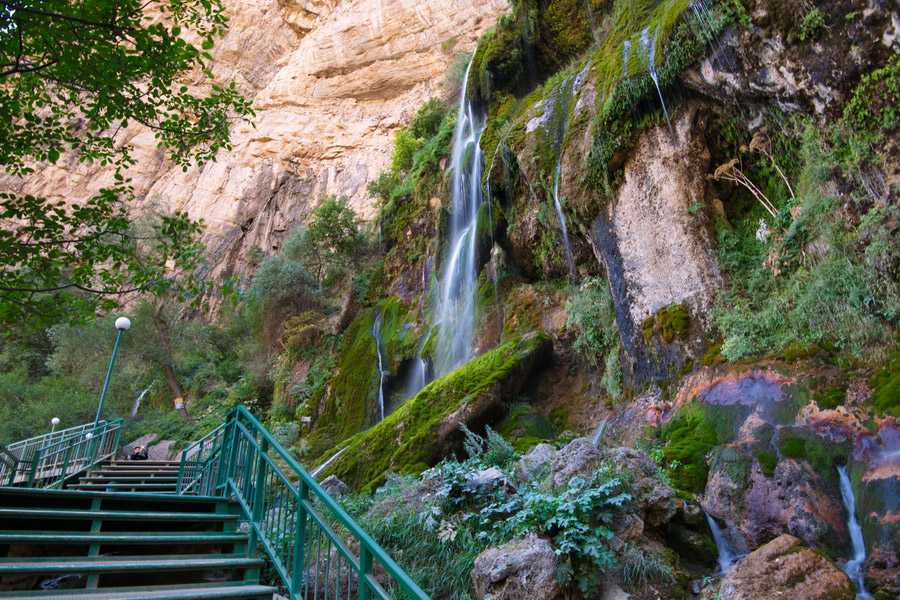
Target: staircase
pixel 109 545
pixel 156 477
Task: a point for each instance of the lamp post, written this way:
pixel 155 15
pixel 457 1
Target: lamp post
pixel 54 422
pixel 122 324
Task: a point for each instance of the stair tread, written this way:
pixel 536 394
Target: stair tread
pixel 89 564
pixel 137 537
pixel 113 514
pixel 125 484
pixel 192 591
pixel 32 492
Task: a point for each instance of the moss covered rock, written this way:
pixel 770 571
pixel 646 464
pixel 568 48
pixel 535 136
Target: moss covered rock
pixel 426 428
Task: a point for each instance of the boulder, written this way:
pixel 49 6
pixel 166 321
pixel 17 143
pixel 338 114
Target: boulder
pixel 488 480
pixel 784 568
pixel 334 486
pixel 653 500
pixel 579 457
pixel 538 458
pixel 517 570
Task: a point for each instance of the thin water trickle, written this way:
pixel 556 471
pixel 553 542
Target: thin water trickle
pixel 376 333
pixel 853 567
pixel 626 52
pixel 650 47
pixel 598 432
pixel 459 280
pixel 137 401
pixel 325 464
pixel 562 220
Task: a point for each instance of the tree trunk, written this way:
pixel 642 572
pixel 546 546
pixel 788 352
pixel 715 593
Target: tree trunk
pixel 176 389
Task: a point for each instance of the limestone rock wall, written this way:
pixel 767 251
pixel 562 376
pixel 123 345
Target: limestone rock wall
pixel 331 81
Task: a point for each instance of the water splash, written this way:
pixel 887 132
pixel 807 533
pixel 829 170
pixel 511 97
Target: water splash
pixel 137 401
pixel 456 311
pixel 853 567
pixel 382 373
pixel 728 553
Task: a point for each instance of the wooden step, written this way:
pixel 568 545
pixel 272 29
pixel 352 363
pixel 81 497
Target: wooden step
pixel 233 590
pixel 113 564
pixel 125 537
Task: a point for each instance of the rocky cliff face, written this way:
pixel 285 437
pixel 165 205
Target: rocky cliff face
pixel 331 81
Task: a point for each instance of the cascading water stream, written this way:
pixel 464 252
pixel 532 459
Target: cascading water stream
pixel 853 567
pixel 562 219
pixel 456 311
pixel 727 551
pixel 137 401
pixel 376 333
pixel 416 380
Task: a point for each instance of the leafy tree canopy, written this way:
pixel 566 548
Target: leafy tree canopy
pixel 73 74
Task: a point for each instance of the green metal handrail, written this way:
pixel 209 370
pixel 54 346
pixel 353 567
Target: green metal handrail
pixel 8 465
pixel 294 523
pixel 50 464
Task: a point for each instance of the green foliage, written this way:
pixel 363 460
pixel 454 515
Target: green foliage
pixel 673 321
pixel 874 106
pixel 332 241
pixel 576 519
pixel 592 313
pixel 75 74
pixel 639 568
pixel 492 450
pixel 811 24
pixel 781 296
pixel 830 397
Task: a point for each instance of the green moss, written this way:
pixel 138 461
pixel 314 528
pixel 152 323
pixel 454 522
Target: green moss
pixel 354 385
pixel 768 462
pixel 673 322
pixel 800 350
pixel 559 417
pixel 689 436
pixel 831 397
pixel 886 383
pixel 410 435
pixel 398 336
pixel 711 357
pixel 648 325
pixel 793 446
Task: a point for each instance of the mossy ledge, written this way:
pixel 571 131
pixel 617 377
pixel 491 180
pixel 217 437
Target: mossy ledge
pixel 426 428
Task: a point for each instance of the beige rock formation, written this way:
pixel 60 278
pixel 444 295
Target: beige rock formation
pixel 331 81
pixel 785 569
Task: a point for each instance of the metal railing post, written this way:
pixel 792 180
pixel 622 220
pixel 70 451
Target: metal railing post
pixel 259 493
pixel 365 569
pixel 299 540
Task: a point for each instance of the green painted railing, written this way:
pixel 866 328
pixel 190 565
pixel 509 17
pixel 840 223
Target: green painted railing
pixel 48 460
pixel 295 523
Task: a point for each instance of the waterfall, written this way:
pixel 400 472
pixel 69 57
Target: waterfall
pixel 416 380
pixel 137 401
pixel 727 551
pixel 456 311
pixel 598 433
pixel 382 373
pixel 562 218
pixel 322 467
pixel 650 48
pixel 853 567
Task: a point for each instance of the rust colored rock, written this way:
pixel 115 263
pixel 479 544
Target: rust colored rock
pixel 784 568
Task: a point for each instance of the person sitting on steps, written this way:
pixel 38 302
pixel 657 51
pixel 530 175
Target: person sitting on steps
pixel 140 453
